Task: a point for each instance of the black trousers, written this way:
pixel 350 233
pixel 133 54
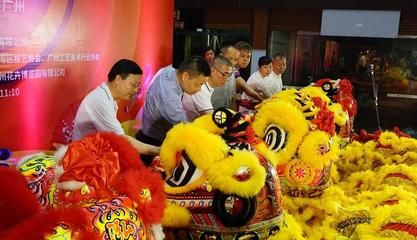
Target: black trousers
pixel 147 159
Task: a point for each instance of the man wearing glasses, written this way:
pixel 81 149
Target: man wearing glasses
pixel 200 103
pixel 225 96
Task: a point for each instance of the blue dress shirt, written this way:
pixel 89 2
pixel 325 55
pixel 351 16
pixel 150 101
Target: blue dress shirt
pixel 162 108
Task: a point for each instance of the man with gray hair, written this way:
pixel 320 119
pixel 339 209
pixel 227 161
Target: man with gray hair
pixel 279 64
pixel 225 96
pixel 200 103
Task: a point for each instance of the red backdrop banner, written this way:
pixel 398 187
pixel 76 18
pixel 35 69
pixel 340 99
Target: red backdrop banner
pixel 52 53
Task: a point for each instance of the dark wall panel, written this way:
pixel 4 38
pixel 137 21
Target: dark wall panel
pixel 227 17
pixel 295 20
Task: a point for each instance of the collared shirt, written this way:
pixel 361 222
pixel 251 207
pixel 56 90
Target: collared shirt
pixel 199 103
pixel 162 108
pixel 222 96
pixel 97 112
pixel 257 83
pixel 274 84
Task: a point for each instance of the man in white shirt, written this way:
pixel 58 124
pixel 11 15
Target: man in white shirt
pixel 279 64
pixel 98 110
pixel 259 80
pixel 200 103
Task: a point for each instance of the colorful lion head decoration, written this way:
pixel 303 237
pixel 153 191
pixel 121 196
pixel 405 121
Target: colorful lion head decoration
pixel 299 127
pixel 22 217
pixel 102 176
pixel 221 180
pixel 300 130
pixel 339 91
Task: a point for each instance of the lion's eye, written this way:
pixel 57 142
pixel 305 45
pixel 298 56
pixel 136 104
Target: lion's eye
pixel 275 137
pixel 185 173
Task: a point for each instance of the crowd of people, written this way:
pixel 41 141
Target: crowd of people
pixel 200 85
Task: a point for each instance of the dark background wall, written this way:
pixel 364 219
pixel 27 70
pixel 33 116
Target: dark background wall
pixel 313 4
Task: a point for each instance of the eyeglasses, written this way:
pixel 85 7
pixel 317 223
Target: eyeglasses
pixel 225 75
pixel 135 85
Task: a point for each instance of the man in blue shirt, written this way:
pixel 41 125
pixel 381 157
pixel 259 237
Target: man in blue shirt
pixel 163 107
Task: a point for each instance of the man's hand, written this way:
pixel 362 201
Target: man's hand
pixel 142 148
pixel 57 146
pixel 241 84
pixel 260 96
